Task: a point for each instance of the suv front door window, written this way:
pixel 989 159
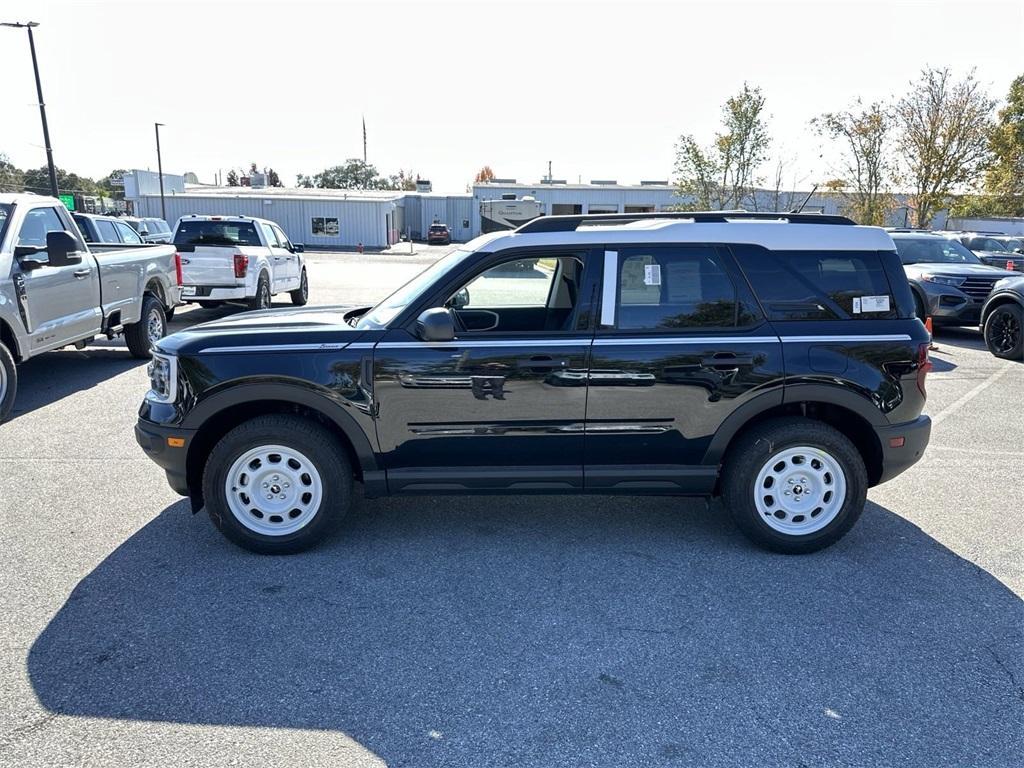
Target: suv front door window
pixel 503 404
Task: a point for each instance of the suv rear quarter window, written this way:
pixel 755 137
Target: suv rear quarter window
pixel 818 285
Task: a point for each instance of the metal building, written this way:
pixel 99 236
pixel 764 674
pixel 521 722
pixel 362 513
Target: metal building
pixel 317 218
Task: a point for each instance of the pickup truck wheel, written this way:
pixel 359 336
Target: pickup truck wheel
pixel 794 485
pixel 142 336
pixel 8 382
pixel 262 298
pixel 277 484
pixel 301 294
pixel 1004 332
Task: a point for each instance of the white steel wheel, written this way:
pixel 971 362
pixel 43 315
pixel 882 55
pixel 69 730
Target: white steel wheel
pixel 154 326
pixel 800 490
pixel 273 490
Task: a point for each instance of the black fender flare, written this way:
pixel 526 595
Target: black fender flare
pixel 832 394
pixel 332 407
pixel 998 299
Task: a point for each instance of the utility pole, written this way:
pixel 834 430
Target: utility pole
pixel 364 139
pixel 550 177
pixel 42 105
pixel 160 171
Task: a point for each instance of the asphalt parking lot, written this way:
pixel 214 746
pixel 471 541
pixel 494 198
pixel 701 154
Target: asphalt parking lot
pixel 503 631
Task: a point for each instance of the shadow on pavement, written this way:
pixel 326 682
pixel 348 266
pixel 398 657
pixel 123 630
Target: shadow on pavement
pixel 521 632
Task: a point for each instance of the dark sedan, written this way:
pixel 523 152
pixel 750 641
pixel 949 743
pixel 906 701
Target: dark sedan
pixel 1002 319
pixel 950 283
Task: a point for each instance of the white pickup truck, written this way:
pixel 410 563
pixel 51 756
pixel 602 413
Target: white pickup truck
pixel 238 258
pixel 56 290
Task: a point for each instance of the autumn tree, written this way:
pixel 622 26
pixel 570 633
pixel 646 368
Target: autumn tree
pixel 723 175
pixel 942 127
pixel 864 134
pixel 484 175
pixel 1004 177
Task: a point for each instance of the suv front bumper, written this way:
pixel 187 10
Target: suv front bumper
pixel 898 458
pixel 153 439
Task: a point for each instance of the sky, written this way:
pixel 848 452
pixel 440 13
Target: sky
pixel 602 90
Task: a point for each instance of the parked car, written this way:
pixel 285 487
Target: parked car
pixel 993 249
pixel 238 258
pixel 438 234
pixel 151 230
pixel 1002 319
pixel 775 361
pixel 949 282
pixel 56 290
pixel 106 229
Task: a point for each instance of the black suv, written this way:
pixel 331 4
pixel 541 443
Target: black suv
pixel 773 360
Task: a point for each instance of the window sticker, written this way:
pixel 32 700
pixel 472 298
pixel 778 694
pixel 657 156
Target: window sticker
pixel 873 304
pixel 856 305
pixel 652 274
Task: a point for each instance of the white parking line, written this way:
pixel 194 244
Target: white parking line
pixel 952 408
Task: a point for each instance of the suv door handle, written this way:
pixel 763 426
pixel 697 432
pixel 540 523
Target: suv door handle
pixel 541 362
pixel 80 273
pixel 726 361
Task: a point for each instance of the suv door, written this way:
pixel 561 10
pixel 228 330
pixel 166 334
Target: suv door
pixel 502 405
pixel 128 235
pixel 681 344
pixel 61 304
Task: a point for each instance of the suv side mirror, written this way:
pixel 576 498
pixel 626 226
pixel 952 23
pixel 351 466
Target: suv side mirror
pixel 62 249
pixel 298 248
pixel 436 324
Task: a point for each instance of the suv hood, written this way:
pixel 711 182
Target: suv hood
pixel 308 327
pixel 956 270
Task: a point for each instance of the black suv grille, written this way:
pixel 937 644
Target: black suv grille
pixel 978 288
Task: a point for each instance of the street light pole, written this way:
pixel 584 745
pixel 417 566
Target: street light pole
pixel 42 105
pixel 160 170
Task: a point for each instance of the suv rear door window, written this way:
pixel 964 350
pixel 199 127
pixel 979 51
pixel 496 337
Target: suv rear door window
pixel 105 229
pixel 128 235
pixel 675 288
pixel 807 285
pixel 226 233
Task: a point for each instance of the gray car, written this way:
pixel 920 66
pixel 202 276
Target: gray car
pixel 950 283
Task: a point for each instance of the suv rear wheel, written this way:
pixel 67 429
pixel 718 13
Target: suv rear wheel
pixel 277 484
pixel 794 485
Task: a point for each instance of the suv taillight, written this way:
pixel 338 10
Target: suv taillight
pixel 177 269
pixel 924 365
pixel 241 264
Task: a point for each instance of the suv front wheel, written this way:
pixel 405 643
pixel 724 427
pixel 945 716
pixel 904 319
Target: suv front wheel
pixel 794 485
pixel 277 484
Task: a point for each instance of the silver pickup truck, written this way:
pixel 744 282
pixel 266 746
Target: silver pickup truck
pixel 55 290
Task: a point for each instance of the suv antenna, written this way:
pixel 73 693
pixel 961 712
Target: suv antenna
pixel 806 199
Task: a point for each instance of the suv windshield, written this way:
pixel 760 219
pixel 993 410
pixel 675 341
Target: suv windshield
pixel 392 306
pixel 933 250
pixel 216 233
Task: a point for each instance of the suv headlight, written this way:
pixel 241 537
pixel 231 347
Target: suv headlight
pixel 943 279
pixel 163 378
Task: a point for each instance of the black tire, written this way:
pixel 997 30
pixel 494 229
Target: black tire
pixel 1004 332
pixel 751 453
pixel 209 304
pixel 262 298
pixel 301 294
pixel 152 326
pixel 8 382
pixel 307 437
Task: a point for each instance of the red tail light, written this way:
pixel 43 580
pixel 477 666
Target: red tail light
pixel 924 366
pixel 241 264
pixel 177 269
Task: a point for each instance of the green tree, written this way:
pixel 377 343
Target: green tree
pixel 1004 178
pixel 354 174
pixel 943 127
pixel 12 178
pixel 232 178
pixel 723 175
pixel 273 180
pixel 304 181
pixel 864 133
pixel 106 185
pixel 403 180
pixel 38 180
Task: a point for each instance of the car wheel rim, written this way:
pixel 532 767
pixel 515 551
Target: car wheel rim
pixel 1004 332
pixel 305 287
pixel 264 297
pixel 154 327
pixel 799 490
pixel 3 383
pixel 273 490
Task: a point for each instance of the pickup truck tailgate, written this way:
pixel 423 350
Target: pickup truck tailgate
pixel 214 265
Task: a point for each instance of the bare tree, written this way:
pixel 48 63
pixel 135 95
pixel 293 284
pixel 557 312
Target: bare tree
pixel 723 175
pixel 943 128
pixel 866 170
